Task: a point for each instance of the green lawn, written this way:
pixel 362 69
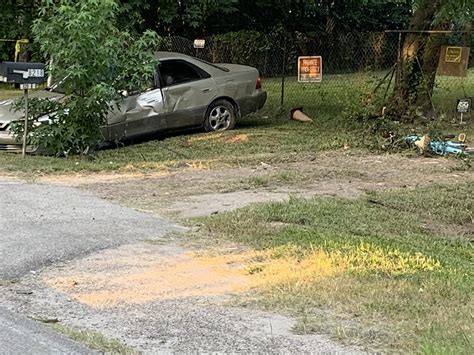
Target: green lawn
pixel 267 136
pixel 8 92
pixel 338 92
pixel 390 271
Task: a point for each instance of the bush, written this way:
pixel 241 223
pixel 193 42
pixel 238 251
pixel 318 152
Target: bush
pixel 95 61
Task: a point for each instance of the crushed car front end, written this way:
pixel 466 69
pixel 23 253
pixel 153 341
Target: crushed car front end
pixel 7 115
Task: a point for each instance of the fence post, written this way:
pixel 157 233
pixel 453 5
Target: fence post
pixel 399 60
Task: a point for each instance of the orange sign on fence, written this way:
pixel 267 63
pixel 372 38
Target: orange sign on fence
pixel 310 69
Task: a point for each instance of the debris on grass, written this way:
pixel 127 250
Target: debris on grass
pixel 206 137
pixel 237 138
pixel 218 137
pixel 446 147
pixel 45 320
pixel 199 165
pixel 423 144
pixel 297 114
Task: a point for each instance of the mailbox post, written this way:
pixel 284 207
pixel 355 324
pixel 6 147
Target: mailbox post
pixel 27 76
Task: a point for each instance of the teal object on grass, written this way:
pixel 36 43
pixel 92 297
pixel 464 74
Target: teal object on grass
pixel 440 147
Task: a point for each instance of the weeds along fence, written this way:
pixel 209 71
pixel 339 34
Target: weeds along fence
pixel 357 67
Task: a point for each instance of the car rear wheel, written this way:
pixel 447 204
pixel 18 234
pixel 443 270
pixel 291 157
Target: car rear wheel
pixel 220 116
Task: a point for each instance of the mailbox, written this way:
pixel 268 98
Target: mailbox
pixel 25 74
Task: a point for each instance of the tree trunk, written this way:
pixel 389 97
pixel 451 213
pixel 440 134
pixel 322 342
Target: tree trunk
pixel 429 65
pixel 417 63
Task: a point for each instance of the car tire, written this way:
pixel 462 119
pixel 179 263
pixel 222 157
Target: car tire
pixel 220 116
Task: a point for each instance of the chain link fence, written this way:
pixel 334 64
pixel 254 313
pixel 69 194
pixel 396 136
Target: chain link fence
pixel 356 67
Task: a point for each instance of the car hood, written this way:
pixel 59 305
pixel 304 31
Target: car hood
pixel 7 114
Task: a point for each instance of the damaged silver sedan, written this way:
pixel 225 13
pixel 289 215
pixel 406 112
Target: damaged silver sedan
pixel 187 93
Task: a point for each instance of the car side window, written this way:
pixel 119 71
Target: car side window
pixel 175 72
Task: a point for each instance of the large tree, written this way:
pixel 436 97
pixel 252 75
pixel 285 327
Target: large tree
pixel 416 72
pixel 322 15
pixel 192 18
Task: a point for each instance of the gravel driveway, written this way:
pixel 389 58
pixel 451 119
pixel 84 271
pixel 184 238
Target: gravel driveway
pixel 43 224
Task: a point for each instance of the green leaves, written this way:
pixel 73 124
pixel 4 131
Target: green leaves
pixel 94 60
pixel 194 13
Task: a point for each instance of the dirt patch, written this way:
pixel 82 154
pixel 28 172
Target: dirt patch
pixel 452 231
pixel 237 138
pixel 139 273
pixel 227 138
pixel 197 191
pixel 161 298
pixel 208 204
pixel 99 178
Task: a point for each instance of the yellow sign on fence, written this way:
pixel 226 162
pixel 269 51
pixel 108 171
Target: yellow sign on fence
pixel 453 61
pixel 453 55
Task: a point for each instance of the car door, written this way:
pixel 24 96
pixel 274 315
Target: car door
pixel 187 92
pixel 137 114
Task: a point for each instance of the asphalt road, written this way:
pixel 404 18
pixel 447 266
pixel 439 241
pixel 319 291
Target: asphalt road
pixel 40 225
pixel 19 335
